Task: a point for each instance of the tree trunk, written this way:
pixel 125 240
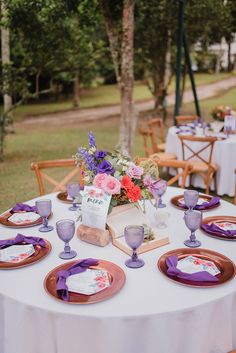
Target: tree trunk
pixel 5 46
pixel 37 84
pixel 76 101
pixel 128 115
pixel 122 56
pixel 183 84
pixel 229 56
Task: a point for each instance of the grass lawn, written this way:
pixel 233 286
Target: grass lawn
pixel 17 181
pixel 105 95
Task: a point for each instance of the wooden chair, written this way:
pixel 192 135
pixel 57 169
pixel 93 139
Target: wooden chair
pixel 195 149
pixel 147 135
pixel 184 119
pixel 156 126
pixel 185 169
pixel 235 189
pixel 42 177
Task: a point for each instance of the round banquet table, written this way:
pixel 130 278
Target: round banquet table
pixel 151 313
pixel 224 155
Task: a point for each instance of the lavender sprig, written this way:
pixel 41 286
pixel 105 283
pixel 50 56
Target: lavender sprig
pixel 91 138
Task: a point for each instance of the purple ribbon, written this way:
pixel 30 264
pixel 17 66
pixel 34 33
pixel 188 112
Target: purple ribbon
pixel 205 205
pixel 202 276
pixel 79 267
pixel 23 207
pixel 213 228
pixel 22 238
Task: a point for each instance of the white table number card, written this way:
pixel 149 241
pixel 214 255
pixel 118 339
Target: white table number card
pixel 95 205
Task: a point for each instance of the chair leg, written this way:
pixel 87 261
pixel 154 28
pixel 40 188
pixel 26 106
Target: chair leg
pixel 215 183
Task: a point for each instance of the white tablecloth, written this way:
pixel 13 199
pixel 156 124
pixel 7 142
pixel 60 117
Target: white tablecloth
pixel 224 155
pixel 151 314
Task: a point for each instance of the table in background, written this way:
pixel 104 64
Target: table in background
pixel 224 155
pixel 151 314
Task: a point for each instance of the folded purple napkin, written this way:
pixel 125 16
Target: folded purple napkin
pixel 214 201
pixel 183 131
pixel 203 276
pixel 215 229
pixel 79 267
pixel 20 238
pixel 23 207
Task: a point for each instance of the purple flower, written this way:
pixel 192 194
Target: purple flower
pixel 88 158
pixel 91 138
pixel 99 154
pixel 105 167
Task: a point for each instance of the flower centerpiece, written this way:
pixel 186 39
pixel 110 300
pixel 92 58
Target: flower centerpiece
pixel 220 111
pixel 116 174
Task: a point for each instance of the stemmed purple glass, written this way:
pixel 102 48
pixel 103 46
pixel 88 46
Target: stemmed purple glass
pixel 161 189
pixel 44 208
pixel 134 236
pixel 73 191
pixel 228 130
pixel 66 230
pixel 191 198
pixel 193 220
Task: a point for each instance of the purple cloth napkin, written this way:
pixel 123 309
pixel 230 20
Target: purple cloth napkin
pixel 205 205
pixel 215 229
pixel 23 207
pixel 203 276
pixel 79 267
pixel 20 238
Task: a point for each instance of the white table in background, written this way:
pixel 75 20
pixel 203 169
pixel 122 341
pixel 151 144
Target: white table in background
pixel 224 155
pixel 151 314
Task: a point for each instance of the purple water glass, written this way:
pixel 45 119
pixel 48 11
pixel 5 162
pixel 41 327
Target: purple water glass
pixel 228 130
pixel 161 189
pixel 65 231
pixel 73 191
pixel 191 198
pixel 193 220
pixel 44 208
pixel 134 236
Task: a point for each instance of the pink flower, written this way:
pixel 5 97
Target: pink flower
pixel 134 171
pixel 98 180
pixel 111 185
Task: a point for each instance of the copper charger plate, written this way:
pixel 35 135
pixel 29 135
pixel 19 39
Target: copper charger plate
pixel 5 221
pixel 117 281
pixel 39 254
pixel 219 219
pixel 224 264
pixel 207 198
pixel 62 196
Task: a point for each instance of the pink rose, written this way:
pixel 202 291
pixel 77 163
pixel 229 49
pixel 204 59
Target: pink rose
pixel 111 185
pixel 98 180
pixel 134 171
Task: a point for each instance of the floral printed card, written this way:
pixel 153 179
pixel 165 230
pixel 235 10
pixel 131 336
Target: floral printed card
pixel 24 217
pixel 16 253
pixel 88 282
pixel 95 205
pixel 226 225
pixel 192 264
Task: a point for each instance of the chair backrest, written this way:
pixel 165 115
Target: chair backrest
pixel 147 140
pixel 42 177
pixel 197 148
pixel 157 128
pixel 181 175
pixel 184 119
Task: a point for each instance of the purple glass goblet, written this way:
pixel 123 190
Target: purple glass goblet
pixel 193 220
pixel 73 191
pixel 134 236
pixel 228 130
pixel 191 198
pixel 44 208
pixel 66 230
pixel 161 189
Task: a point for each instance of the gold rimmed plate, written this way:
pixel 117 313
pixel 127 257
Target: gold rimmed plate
pixel 116 277
pixel 218 220
pixel 178 201
pixel 223 263
pixel 63 196
pixel 4 220
pixel 38 255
